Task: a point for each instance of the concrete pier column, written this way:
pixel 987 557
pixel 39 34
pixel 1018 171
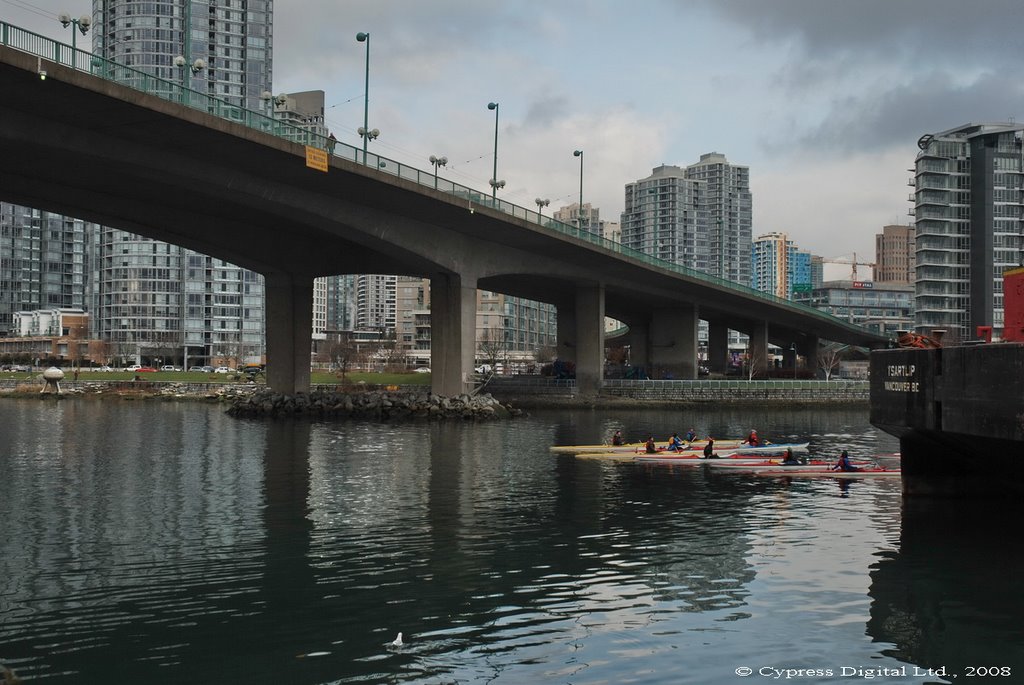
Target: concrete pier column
pixel 289 299
pixel 809 350
pixel 674 342
pixel 566 332
pixel 758 349
pixel 639 346
pixel 452 333
pixel 589 339
pixel 718 347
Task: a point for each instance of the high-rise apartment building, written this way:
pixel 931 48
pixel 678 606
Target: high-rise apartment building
pixel 225 46
pixel 665 217
pixel 588 218
pixel 699 217
pixel 155 299
pixel 728 206
pixel 894 255
pixel 968 209
pixel 375 303
pixel 43 262
pixel 778 267
pixel 770 264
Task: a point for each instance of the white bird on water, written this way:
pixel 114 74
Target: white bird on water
pixel 397 641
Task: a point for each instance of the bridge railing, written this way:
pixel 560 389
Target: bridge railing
pixel 46 48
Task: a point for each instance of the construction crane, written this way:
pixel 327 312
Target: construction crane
pixel 852 261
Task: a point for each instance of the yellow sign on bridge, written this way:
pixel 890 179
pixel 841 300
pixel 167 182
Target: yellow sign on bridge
pixel 316 158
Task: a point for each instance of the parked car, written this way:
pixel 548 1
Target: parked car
pixel 223 369
pixel 105 369
pixel 133 367
pixel 207 369
pixel 196 368
pixel 423 369
pixel 169 367
pixel 145 369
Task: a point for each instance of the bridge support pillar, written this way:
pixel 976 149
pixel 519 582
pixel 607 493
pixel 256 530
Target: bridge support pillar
pixel 589 317
pixel 758 349
pixel 289 325
pixel 639 346
pixel 674 342
pixel 718 348
pixel 452 333
pixel 810 351
pixel 565 322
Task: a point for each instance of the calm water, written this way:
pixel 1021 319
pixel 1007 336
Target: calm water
pixel 168 543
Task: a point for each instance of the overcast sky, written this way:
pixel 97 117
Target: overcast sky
pixel 823 100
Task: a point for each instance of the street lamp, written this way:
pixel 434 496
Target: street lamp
pixel 579 153
pixel 365 131
pixel 437 162
pixel 82 24
pixel 196 67
pixel 495 183
pixel 541 204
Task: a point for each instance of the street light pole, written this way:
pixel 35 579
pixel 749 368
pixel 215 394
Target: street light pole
pixel 364 37
pixel 541 204
pixel 494 178
pixel 579 153
pixel 437 162
pixel 82 24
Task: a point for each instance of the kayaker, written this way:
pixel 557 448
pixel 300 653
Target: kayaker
pixel 690 436
pixel 752 439
pixel 790 460
pixel 617 438
pixel 674 443
pixel 650 446
pixel 844 463
pixel 709 449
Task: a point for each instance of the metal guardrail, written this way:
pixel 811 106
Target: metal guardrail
pixel 54 51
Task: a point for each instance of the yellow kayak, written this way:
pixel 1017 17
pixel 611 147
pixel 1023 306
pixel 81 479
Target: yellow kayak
pixel 634 447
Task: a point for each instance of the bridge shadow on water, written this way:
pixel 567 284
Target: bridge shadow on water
pixel 952 595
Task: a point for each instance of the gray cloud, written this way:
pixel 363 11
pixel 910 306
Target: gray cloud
pixel 883 118
pixel 940 29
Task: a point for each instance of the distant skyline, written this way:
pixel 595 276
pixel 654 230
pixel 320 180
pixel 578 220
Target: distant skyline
pixel 824 100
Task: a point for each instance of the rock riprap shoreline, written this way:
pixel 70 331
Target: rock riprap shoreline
pixel 371 404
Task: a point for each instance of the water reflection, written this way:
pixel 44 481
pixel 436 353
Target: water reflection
pixel 150 543
pixel 952 595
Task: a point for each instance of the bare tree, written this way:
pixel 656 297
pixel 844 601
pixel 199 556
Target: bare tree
pixel 493 345
pixel 755 362
pixel 829 357
pixel 342 353
pixel 387 349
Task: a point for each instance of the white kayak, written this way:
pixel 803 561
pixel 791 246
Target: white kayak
pixel 864 472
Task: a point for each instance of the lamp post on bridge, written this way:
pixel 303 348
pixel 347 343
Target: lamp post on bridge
pixel 272 101
pixel 82 23
pixel 437 162
pixel 579 153
pixel 541 204
pixel 495 183
pixel 365 132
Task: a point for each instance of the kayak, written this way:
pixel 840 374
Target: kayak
pixel 770 448
pixel 864 472
pixel 769 465
pixel 734 459
pixel 634 447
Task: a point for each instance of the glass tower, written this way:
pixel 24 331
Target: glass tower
pixel 152 299
pixel 969 218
